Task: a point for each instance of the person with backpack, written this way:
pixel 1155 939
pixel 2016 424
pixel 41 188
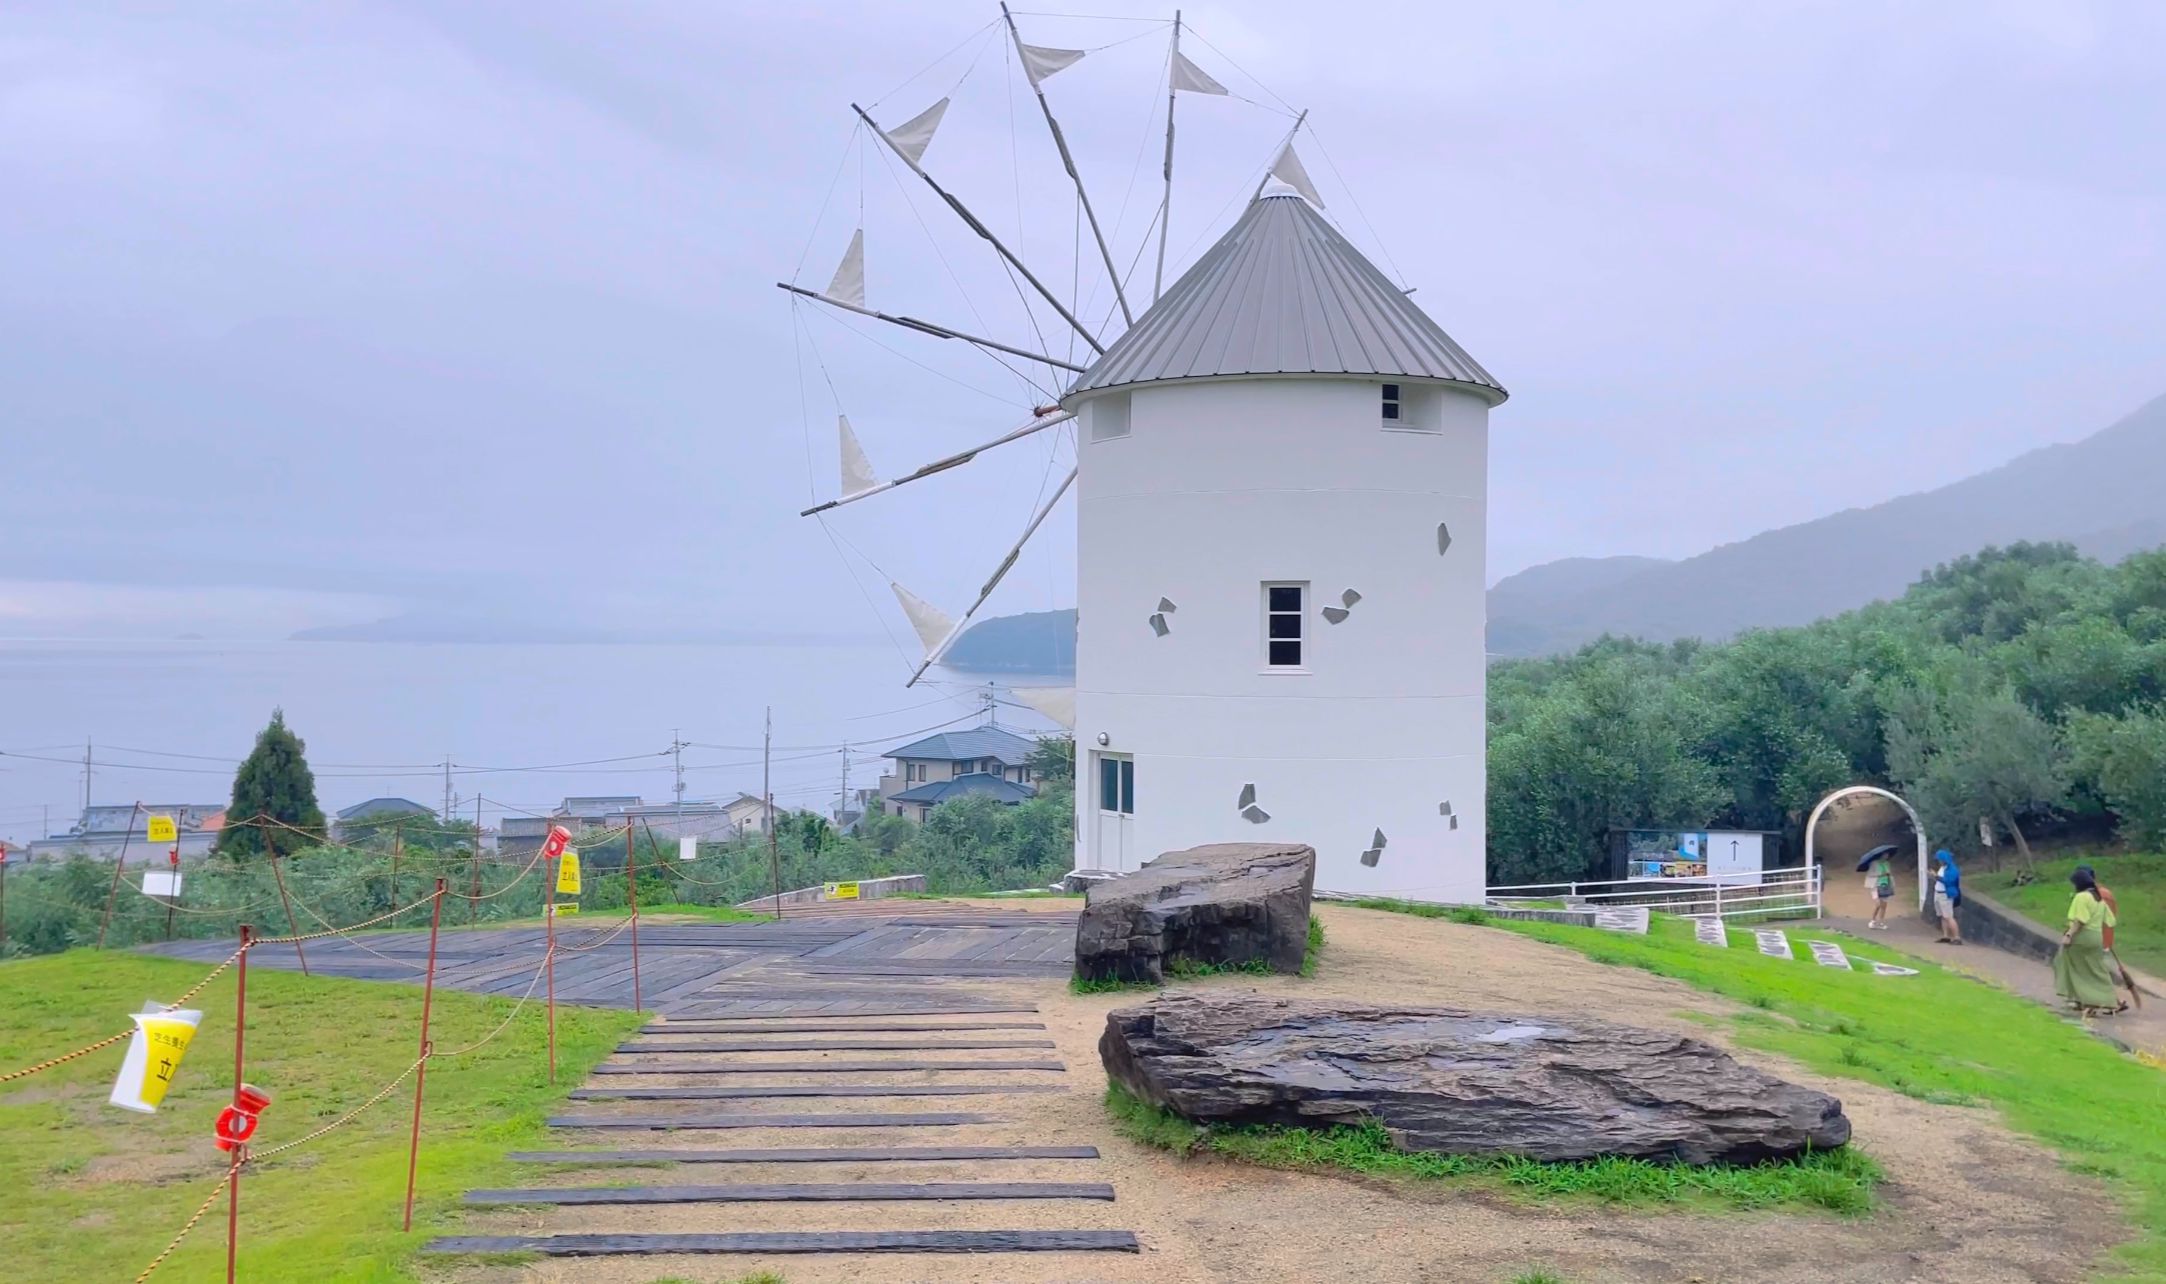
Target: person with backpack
pixel 1948 897
pixel 1881 884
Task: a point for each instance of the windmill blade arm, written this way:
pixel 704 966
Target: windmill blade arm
pixel 932 657
pixel 943 464
pixel 928 327
pixel 972 221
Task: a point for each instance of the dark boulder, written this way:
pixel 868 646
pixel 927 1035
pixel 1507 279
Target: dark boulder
pixel 1229 904
pixel 1462 1082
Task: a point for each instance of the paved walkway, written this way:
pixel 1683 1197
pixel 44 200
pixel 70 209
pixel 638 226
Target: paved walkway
pixel 808 1082
pixel 2141 1029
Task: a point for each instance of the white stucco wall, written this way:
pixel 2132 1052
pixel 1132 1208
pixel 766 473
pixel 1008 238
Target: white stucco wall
pixel 1218 488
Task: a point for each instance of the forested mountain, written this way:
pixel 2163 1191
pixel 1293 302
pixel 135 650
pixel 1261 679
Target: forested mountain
pixel 2106 495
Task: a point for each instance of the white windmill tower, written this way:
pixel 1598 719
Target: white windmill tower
pixel 1281 478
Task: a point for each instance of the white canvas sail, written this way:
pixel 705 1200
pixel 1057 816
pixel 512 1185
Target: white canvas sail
pixel 1289 170
pixel 1056 703
pixel 849 283
pixel 913 135
pixel 932 624
pixel 857 474
pixel 1194 79
pixel 1040 62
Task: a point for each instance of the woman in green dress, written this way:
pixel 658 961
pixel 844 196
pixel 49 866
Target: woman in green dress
pixel 2082 973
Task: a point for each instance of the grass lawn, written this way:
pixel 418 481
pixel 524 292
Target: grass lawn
pixel 94 1192
pixel 1841 1180
pixel 1938 1037
pixel 711 913
pixel 2139 888
pixel 1184 969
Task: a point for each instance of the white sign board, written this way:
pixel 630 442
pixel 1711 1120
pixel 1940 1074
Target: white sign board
pixel 687 848
pixel 1828 954
pixel 1711 931
pixel 161 882
pixel 1626 918
pixel 1773 943
pixel 1730 854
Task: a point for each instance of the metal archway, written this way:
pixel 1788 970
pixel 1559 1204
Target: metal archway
pixel 1916 827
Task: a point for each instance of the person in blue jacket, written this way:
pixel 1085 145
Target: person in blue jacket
pixel 1947 895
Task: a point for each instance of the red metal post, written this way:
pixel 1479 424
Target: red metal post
pixel 631 883
pixel 549 958
pixel 421 1072
pixel 118 865
pixel 270 846
pixel 240 1152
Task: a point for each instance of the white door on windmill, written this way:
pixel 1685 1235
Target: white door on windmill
pixel 1113 837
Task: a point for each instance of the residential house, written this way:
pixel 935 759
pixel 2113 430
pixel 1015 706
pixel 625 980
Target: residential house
pixel 705 821
pixel 104 832
pixel 747 814
pixel 519 837
pixel 377 813
pixel 951 764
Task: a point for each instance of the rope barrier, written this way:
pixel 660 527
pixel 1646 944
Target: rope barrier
pixel 190 1224
pixel 340 931
pixel 515 1009
pixel 108 1042
pixel 255 1156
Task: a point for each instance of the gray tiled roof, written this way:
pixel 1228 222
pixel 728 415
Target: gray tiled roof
pixel 997 743
pixel 1284 293
pixel 934 792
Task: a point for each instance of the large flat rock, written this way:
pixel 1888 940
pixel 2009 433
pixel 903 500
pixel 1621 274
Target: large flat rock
pixel 1469 1083
pixel 1228 903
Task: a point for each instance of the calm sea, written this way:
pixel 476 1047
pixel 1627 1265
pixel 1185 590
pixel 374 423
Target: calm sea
pixel 523 724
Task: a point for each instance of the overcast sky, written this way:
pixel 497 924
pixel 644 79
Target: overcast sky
pixel 339 307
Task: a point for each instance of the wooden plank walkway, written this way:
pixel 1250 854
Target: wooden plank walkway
pixel 852 997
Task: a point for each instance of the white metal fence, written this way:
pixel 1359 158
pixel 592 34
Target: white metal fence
pixel 1783 893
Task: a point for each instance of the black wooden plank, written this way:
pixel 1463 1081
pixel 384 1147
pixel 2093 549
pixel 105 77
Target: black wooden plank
pixel 777 1242
pixel 670 1123
pixel 803 1155
pixel 827 1067
pixel 808 1090
pixel 832 1045
pixel 794 1192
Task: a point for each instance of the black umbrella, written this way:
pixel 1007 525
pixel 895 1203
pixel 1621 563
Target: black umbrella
pixel 1865 862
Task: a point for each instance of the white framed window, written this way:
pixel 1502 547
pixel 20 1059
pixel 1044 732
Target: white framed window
pixel 1117 785
pixel 1394 408
pixel 1285 610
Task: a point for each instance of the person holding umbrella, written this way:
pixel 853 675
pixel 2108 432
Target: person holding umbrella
pixel 2080 971
pixel 1879 884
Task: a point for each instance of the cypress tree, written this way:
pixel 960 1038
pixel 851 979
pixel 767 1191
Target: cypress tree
pixel 275 782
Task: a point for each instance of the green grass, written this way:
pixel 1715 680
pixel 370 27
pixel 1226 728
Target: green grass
pixel 1474 915
pixel 2139 889
pixel 1315 952
pixel 712 913
pixel 1841 1181
pixel 1105 985
pixel 1537 1277
pixel 95 1192
pixel 1937 1037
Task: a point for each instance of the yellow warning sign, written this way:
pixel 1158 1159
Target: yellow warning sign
pixel 842 891
pixel 563 908
pixel 568 875
pixel 154 1057
pixel 162 830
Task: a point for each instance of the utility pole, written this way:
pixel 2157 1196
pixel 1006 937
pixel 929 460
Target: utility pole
pixel 676 752
pixel 86 776
pixel 447 789
pixel 842 804
pixel 767 795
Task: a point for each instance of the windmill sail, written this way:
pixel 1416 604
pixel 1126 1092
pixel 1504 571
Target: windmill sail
pixel 912 136
pixel 1187 75
pixel 932 624
pixel 857 474
pixel 1288 170
pixel 849 283
pixel 1039 63
pixel 1056 703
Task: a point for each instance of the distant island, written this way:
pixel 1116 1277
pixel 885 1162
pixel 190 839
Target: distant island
pixel 1038 642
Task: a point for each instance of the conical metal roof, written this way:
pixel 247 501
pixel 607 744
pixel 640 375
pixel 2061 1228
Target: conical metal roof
pixel 1282 293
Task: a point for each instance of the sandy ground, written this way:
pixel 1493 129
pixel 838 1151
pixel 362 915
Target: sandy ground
pixel 1966 1200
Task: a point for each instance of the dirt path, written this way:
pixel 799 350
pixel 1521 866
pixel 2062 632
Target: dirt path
pixel 1966 1200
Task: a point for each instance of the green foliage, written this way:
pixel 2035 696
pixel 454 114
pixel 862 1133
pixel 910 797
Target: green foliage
pixel 1053 762
pixel 2016 686
pixel 1937 1037
pixel 328 1211
pixel 273 781
pixel 1839 1180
